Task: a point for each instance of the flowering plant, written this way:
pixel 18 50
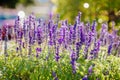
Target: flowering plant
pixel 45 50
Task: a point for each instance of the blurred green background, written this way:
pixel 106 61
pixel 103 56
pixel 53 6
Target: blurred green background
pixel 99 10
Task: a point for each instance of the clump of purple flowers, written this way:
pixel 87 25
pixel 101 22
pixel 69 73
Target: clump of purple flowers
pixel 65 36
pixel 78 39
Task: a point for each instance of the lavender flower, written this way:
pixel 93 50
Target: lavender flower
pixel 39 35
pixel 85 77
pixel 73 61
pixel 78 47
pixel 74 33
pixel 56 78
pixel 52 35
pixel 62 33
pixel 57 54
pixel 38 50
pixel 103 34
pixel 86 51
pixel 109 49
pixel 87 27
pixel 70 35
pixel 96 49
pixel 79 17
pixel 50 38
pixel 90 70
pixel 54 75
pixel 54 29
pixel 93 28
pixel 82 36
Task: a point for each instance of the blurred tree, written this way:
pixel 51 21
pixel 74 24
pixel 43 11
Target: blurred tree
pixel 101 10
pixel 13 3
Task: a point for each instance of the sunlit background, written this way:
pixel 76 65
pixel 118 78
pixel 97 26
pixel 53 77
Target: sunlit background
pixel 99 10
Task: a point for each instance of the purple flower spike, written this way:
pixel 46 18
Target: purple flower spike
pixel 109 49
pixel 94 26
pixel 73 62
pixel 85 77
pixel 56 78
pixel 90 69
pixel 79 17
pixel 38 50
pixel 39 35
pixel 96 48
pixel 78 47
pixel 82 36
pixel 57 57
pixel 54 75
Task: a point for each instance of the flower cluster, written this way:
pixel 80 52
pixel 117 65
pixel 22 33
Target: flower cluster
pixel 58 36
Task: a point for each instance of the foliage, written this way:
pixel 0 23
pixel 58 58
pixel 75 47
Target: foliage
pixel 31 68
pixel 107 10
pixel 107 69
